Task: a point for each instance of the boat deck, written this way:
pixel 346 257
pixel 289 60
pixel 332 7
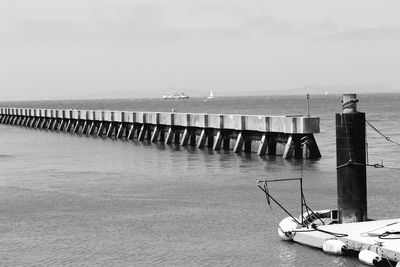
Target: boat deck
pixel 361 235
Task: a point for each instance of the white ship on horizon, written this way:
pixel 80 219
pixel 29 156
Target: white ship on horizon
pixel 180 95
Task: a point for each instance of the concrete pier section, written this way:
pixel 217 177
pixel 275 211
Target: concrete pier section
pixel 288 136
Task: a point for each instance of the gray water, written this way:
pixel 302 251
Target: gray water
pixel 67 200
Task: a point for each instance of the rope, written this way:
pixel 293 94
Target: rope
pixel 388 233
pixel 376 165
pixel 315 228
pixel 387 138
pixel 368 233
pixel 269 204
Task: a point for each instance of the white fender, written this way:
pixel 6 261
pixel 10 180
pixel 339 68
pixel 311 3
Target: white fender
pixel 285 226
pixel 369 257
pixel 333 246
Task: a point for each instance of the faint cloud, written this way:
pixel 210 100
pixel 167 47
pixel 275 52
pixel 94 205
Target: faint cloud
pixel 378 34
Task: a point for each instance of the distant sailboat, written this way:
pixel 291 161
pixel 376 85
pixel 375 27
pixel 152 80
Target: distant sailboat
pixel 210 95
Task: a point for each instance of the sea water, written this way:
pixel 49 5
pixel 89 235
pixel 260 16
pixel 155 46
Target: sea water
pixel 70 200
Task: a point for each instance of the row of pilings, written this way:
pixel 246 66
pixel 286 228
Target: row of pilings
pixel 288 136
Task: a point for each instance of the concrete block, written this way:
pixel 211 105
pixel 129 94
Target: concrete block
pixel 199 120
pixel 216 121
pixel 107 115
pixel 53 113
pixel 59 113
pixel 98 115
pixel 182 119
pixel 82 114
pixel 166 118
pixel 125 116
pixel 116 116
pixel 257 123
pixel 48 113
pixel 309 124
pixel 66 114
pixel 140 117
pixel 151 117
pixel 74 114
pixel 90 115
pixel 278 123
pixel 235 122
pixel 131 117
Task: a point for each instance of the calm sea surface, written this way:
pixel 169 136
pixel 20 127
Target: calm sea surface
pixel 67 200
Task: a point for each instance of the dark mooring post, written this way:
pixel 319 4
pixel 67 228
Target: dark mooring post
pixel 351 160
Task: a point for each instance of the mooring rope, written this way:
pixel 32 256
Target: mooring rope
pixel 314 227
pixel 387 138
pixel 351 162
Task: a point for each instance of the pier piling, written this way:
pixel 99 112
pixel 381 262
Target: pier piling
pixel 351 162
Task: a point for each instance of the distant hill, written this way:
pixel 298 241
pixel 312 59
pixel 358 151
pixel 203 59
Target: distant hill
pixel 311 89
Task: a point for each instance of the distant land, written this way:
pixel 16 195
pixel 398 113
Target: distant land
pixel 312 89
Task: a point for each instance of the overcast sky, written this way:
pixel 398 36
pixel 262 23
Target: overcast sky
pixel 72 48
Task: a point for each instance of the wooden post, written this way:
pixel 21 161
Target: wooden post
pixel 193 137
pixel 298 152
pixel 76 129
pixel 288 148
pixel 239 143
pixel 100 129
pixel 185 137
pixel 210 138
pixel 91 128
pixel 218 141
pixel 202 138
pixel 120 130
pixel 131 132
pixel 155 134
pixel 272 144
pixel 142 132
pixel 226 142
pixel 177 136
pixel 85 127
pixel 247 143
pixel 262 149
pixel 170 135
pixel 351 160
pixel 110 129
pixel 162 133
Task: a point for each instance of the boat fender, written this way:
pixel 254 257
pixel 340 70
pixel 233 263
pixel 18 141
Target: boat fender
pixel 369 257
pixel 286 228
pixel 334 246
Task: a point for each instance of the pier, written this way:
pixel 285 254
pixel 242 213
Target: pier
pixel 287 136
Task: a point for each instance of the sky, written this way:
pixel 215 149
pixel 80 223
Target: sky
pixel 56 49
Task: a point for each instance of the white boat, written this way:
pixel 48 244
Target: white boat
pixel 180 95
pixel 210 95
